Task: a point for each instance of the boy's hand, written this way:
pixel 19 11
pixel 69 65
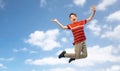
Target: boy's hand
pixel 93 8
pixel 92 14
pixel 54 20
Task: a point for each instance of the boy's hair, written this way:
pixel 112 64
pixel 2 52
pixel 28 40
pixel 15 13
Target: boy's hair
pixel 72 14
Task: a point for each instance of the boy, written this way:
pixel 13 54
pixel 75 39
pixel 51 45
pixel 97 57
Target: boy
pixel 77 28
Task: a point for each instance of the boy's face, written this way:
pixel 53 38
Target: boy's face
pixel 73 18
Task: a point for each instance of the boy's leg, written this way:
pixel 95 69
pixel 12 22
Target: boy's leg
pixel 84 50
pixel 80 47
pixel 76 55
pixel 78 50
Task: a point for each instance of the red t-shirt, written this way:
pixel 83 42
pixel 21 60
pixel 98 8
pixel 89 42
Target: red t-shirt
pixel 77 29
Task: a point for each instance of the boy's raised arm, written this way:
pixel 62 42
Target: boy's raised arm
pixel 92 15
pixel 62 26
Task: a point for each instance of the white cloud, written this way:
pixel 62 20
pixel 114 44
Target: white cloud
pixel 45 40
pixel 7 59
pixel 99 55
pixel 62 69
pixel 33 70
pixel 112 68
pixel 42 3
pixel 2 66
pixel 114 16
pixel 79 2
pixel 75 2
pixel 33 52
pixel 64 39
pixel 107 27
pixel 112 34
pixel 67 32
pixel 96 55
pixel 94 27
pixel 2 4
pixel 46 61
pixel 69 6
pixel 24 49
pixel 105 3
pixel 15 50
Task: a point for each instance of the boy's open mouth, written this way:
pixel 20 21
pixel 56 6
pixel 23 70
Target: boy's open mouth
pixel 74 19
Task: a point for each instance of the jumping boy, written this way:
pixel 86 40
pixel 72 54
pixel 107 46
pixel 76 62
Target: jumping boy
pixel 77 28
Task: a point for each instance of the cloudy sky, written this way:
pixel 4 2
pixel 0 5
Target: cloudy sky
pixel 30 42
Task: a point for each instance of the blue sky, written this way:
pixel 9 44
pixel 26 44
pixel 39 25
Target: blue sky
pixel 30 42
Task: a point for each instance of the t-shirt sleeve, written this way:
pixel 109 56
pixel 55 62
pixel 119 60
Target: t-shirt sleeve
pixel 68 26
pixel 83 21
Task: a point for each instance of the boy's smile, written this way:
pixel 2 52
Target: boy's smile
pixel 74 19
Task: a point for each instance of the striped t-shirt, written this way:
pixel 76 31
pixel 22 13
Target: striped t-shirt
pixel 77 29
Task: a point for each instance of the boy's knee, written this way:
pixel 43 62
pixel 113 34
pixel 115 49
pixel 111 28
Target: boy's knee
pixel 77 56
pixel 85 55
pixel 80 56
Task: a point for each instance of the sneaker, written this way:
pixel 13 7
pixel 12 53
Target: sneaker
pixel 71 59
pixel 62 54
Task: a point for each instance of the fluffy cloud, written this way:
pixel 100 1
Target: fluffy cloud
pixel 2 66
pixel 105 3
pixel 94 27
pixel 33 52
pixel 112 68
pixel 114 16
pixel 21 49
pixel 7 59
pixel 112 34
pixel 25 49
pixel 62 69
pixel 79 2
pixel 96 55
pixel 33 70
pixel 64 39
pixel 45 40
pixel 15 50
pixel 2 4
pixel 42 3
pixel 46 61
